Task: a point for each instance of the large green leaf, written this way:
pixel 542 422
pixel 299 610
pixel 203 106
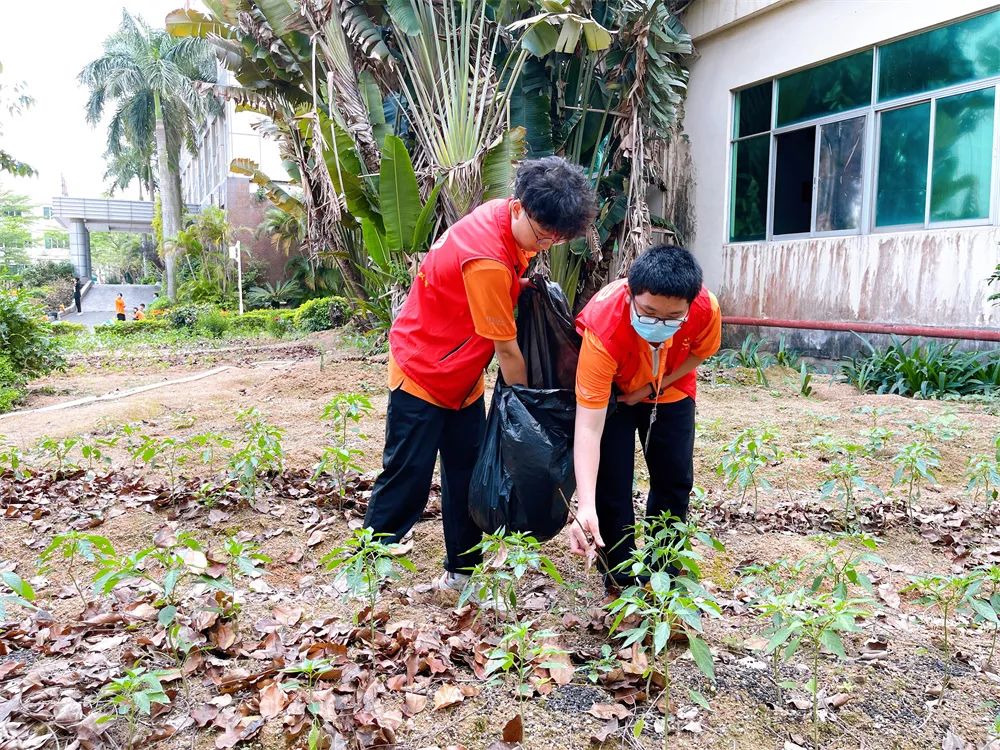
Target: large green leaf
pixel 530 106
pixel 498 164
pixel 345 168
pixel 399 194
pixel 702 656
pixel 404 16
pixel 540 39
pixel 186 22
pixel 372 96
pixel 425 222
pixel 375 244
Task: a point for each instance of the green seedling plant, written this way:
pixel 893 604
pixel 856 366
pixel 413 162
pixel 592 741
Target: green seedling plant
pixel 207 446
pixel 521 651
pixel 742 459
pixel 843 480
pixel 877 440
pixel 815 620
pixel 261 452
pixel 916 464
pixel 72 547
pixel 133 696
pixel 166 569
pixel 339 458
pixel 771 581
pixel 245 561
pixel 983 597
pixel 56 454
pixel 596 668
pixel 312 670
pixel 671 602
pixel 785 356
pixel 20 593
pixel 805 381
pixel 838 566
pixel 875 412
pixel 982 476
pixel 506 559
pixel 946 427
pixel 12 460
pixel 948 593
pixel 362 565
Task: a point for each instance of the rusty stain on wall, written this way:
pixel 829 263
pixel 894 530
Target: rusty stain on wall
pixel 935 278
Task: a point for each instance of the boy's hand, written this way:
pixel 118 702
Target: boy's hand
pixel 636 396
pixel 585 535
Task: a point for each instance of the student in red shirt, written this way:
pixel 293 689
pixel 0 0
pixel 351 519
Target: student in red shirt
pixel 458 314
pixel 643 336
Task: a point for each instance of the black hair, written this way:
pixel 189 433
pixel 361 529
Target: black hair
pixel 666 271
pixel 556 194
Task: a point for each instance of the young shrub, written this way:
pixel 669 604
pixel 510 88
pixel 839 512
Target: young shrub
pixel 322 314
pixel 983 596
pixel 132 696
pixel 843 480
pixel 12 460
pixel 946 592
pixel 838 566
pixel 815 620
pixel 666 599
pixel 507 559
pixel 21 593
pixel 982 476
pixel 280 323
pixel 26 339
pixel 742 459
pixel 71 547
pixel 917 464
pixel 338 459
pixel 260 454
pixel 56 454
pixel 362 565
pixel 213 323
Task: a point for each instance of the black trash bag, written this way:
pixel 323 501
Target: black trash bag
pixel 523 478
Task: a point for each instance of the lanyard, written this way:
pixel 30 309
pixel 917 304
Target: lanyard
pixel 658 374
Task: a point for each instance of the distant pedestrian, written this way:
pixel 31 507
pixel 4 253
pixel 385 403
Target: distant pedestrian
pixel 138 314
pixel 77 289
pixel 120 307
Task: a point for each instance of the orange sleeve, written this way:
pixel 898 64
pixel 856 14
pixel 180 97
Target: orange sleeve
pixel 487 285
pixel 595 372
pixel 708 341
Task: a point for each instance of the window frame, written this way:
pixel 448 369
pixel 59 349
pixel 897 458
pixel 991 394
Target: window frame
pixel 870 164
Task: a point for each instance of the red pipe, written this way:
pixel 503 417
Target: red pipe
pixel 968 334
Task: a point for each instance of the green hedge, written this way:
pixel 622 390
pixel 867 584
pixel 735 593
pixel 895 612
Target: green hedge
pixel 67 328
pixel 322 314
pixel 127 328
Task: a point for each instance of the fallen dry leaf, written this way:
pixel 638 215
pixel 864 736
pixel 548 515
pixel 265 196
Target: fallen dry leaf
pixel 694 727
pixel 601 735
pixel 605 711
pixel 194 559
pixel 315 538
pixel 287 614
pixel 953 741
pixel 837 700
pixel 447 695
pixel 413 704
pixel 204 714
pixel 513 730
pixel 272 701
pixel 9 668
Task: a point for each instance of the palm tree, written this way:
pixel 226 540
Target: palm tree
pixel 286 231
pixel 151 77
pixel 128 164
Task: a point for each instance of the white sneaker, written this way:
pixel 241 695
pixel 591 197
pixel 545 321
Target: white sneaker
pixel 449 581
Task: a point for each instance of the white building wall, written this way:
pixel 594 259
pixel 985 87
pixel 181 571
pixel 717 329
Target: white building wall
pixel 741 42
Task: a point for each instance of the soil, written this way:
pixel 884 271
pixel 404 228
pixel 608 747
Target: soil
pixel 909 698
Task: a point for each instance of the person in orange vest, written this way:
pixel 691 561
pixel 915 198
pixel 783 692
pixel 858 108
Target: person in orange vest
pixel 120 307
pixel 644 337
pixel 458 314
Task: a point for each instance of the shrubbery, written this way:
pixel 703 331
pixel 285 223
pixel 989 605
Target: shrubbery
pixel 322 314
pixel 930 371
pixel 128 329
pixel 67 328
pixel 29 349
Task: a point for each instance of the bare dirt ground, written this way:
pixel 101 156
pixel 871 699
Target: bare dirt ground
pixel 898 687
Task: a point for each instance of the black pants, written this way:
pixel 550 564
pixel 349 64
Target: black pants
pixel 670 460
pixel 415 431
pixel 77 302
pixel 120 316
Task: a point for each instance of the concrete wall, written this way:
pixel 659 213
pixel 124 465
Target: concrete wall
pixel 932 277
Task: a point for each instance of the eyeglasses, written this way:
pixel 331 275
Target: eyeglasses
pixel 653 320
pixel 544 243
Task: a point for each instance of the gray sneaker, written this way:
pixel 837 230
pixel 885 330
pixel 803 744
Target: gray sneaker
pixel 449 581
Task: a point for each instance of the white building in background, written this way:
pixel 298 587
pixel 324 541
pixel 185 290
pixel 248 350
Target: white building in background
pixel 207 181
pixel 845 159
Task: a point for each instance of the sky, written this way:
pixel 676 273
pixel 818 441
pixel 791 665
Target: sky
pixel 53 135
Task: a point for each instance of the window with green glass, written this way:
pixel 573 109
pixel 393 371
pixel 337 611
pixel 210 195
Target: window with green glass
pixel 904 136
pixel 748 201
pixel 827 89
pixel 958 53
pixel 840 182
pixel 963 156
pixel 753 110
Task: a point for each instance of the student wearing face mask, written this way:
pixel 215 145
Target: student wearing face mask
pixel 644 336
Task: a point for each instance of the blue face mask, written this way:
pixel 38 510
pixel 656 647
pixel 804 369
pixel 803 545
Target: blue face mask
pixel 654 331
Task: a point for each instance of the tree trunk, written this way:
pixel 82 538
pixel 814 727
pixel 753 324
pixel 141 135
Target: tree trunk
pixel 170 199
